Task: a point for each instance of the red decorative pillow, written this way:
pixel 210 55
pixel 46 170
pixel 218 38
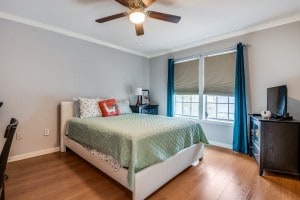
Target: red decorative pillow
pixel 109 107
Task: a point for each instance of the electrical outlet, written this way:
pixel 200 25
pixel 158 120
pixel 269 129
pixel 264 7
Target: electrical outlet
pixel 18 135
pixel 46 132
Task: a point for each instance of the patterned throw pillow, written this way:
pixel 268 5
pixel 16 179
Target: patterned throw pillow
pixel 89 108
pixel 123 105
pixel 109 107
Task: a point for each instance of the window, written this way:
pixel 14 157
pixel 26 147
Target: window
pixel 218 81
pixel 186 88
pixel 213 75
pixel 187 106
pixel 218 107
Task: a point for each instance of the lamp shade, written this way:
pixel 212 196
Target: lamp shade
pixel 138 91
pixel 137 17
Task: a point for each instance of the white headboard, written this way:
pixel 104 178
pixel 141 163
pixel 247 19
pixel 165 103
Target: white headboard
pixel 66 113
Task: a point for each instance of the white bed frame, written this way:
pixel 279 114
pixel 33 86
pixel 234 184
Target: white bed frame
pixel 146 181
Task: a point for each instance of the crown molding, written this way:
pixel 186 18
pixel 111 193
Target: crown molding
pixel 258 27
pixel 40 25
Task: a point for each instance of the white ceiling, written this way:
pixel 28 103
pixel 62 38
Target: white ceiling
pixel 201 20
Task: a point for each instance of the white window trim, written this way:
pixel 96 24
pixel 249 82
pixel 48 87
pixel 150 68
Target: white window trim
pixel 201 87
pixel 216 122
pixel 209 121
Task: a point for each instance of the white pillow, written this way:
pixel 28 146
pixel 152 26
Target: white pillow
pixel 123 105
pixel 89 107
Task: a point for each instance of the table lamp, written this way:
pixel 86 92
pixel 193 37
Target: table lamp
pixel 139 92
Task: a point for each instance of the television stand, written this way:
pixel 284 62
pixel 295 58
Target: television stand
pixel 275 144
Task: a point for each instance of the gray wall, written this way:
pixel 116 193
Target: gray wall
pixel 273 59
pixel 39 68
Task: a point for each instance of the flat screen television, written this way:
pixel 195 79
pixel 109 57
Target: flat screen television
pixel 277 101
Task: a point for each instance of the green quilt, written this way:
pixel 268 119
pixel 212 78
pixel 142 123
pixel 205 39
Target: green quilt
pixel 136 141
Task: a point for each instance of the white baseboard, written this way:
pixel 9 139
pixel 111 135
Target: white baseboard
pixel 32 154
pixel 220 144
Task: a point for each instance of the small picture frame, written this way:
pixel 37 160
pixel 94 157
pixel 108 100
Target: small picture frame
pixel 145 97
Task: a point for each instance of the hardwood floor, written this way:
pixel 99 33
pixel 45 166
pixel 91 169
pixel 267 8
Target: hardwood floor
pixel 222 174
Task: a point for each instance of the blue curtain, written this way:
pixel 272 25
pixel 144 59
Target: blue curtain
pixel 240 136
pixel 170 97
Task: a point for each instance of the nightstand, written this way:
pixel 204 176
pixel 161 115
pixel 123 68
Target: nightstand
pixel 146 109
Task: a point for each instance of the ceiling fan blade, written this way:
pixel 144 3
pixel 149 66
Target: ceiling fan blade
pixel 112 17
pixel 164 16
pixel 139 29
pixel 148 2
pixel 123 2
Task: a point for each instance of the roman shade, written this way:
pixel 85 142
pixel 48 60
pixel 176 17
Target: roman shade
pixel 186 77
pixel 219 74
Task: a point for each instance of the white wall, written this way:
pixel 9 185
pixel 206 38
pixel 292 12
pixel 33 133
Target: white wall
pixel 273 57
pixel 39 68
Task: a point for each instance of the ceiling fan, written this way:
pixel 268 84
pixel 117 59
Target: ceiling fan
pixel 137 14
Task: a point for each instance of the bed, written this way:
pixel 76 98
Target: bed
pixel 141 176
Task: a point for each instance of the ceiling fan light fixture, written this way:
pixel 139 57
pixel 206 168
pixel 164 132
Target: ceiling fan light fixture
pixel 137 17
pixel 137 14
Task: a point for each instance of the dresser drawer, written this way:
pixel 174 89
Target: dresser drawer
pixel 151 111
pixel 145 109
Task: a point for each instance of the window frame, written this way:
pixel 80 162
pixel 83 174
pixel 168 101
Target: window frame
pixel 190 105
pixel 217 103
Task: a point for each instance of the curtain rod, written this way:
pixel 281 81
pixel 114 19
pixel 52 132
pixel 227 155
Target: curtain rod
pixel 207 53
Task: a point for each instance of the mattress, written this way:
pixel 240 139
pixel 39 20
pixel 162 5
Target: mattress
pixel 136 141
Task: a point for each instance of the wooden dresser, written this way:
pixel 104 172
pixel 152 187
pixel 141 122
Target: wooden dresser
pixel 275 145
